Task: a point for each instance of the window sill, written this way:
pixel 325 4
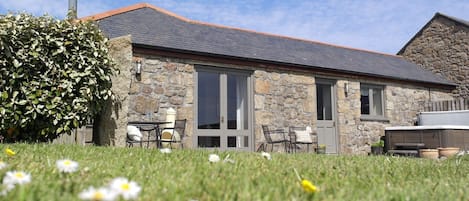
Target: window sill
pixel 374 118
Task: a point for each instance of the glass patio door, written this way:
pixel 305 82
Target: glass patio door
pixel 223 110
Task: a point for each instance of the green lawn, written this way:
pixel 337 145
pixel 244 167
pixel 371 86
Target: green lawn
pixel 188 175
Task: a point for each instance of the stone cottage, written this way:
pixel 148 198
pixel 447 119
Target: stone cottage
pixel 227 82
pixel 442 46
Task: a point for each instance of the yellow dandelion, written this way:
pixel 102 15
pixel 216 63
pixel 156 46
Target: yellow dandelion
pixel 308 186
pixel 9 152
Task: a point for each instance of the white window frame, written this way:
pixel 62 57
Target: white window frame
pixel 373 115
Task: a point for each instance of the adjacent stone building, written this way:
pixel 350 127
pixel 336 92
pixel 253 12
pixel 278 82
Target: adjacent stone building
pixel 442 46
pixel 227 82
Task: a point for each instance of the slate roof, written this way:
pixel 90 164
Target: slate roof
pixel 437 15
pixel 153 27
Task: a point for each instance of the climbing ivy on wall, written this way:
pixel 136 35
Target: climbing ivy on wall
pixel 55 75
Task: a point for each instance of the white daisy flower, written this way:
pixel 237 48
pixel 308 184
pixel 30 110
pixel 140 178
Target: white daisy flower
pixel 213 158
pixel 165 150
pixel 128 189
pixel 266 155
pixel 67 166
pixel 99 194
pixel 3 165
pixel 16 177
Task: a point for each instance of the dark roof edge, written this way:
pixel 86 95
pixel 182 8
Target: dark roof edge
pixel 457 20
pixel 444 85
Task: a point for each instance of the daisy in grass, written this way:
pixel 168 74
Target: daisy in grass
pixel 213 158
pixel 98 194
pixel 128 189
pixel 16 177
pixel 67 166
pixel 9 152
pixel 266 155
pixel 3 165
pixel 165 150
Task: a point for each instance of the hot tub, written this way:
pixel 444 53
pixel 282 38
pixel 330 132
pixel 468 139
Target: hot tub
pixel 457 117
pixel 433 136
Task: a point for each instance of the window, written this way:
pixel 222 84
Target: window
pixel 372 102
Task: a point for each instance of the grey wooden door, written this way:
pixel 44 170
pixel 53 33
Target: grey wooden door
pixel 326 115
pixel 223 109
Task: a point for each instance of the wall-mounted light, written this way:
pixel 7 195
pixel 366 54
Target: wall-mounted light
pixel 346 89
pixel 138 67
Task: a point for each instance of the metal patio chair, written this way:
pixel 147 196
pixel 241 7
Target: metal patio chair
pixel 277 136
pixel 301 136
pixel 148 135
pixel 174 134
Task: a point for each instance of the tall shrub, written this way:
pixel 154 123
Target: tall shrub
pixel 55 75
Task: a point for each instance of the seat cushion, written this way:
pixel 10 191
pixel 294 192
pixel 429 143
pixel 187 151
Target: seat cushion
pixel 134 133
pixel 167 134
pixel 303 137
pixel 277 137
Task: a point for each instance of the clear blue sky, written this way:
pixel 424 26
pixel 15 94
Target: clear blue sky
pixel 376 25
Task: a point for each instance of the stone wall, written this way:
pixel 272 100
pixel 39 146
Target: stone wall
pixel 110 128
pixel 163 83
pixel 280 98
pixel 402 104
pixel 283 99
pixel 350 138
pixel 443 47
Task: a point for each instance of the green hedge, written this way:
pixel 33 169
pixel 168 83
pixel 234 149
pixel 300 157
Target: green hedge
pixel 55 75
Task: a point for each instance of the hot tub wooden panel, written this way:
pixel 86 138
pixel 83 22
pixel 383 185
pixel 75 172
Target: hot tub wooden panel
pixel 432 136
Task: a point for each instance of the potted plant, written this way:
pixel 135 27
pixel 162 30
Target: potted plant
pixel 448 151
pixel 321 149
pixel 377 147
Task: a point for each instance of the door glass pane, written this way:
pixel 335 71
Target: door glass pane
pixel 208 104
pixel 231 141
pixel 237 109
pixel 377 102
pixel 238 141
pixel 365 100
pixel 324 101
pixel 208 141
pixel 327 102
pixel 319 102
